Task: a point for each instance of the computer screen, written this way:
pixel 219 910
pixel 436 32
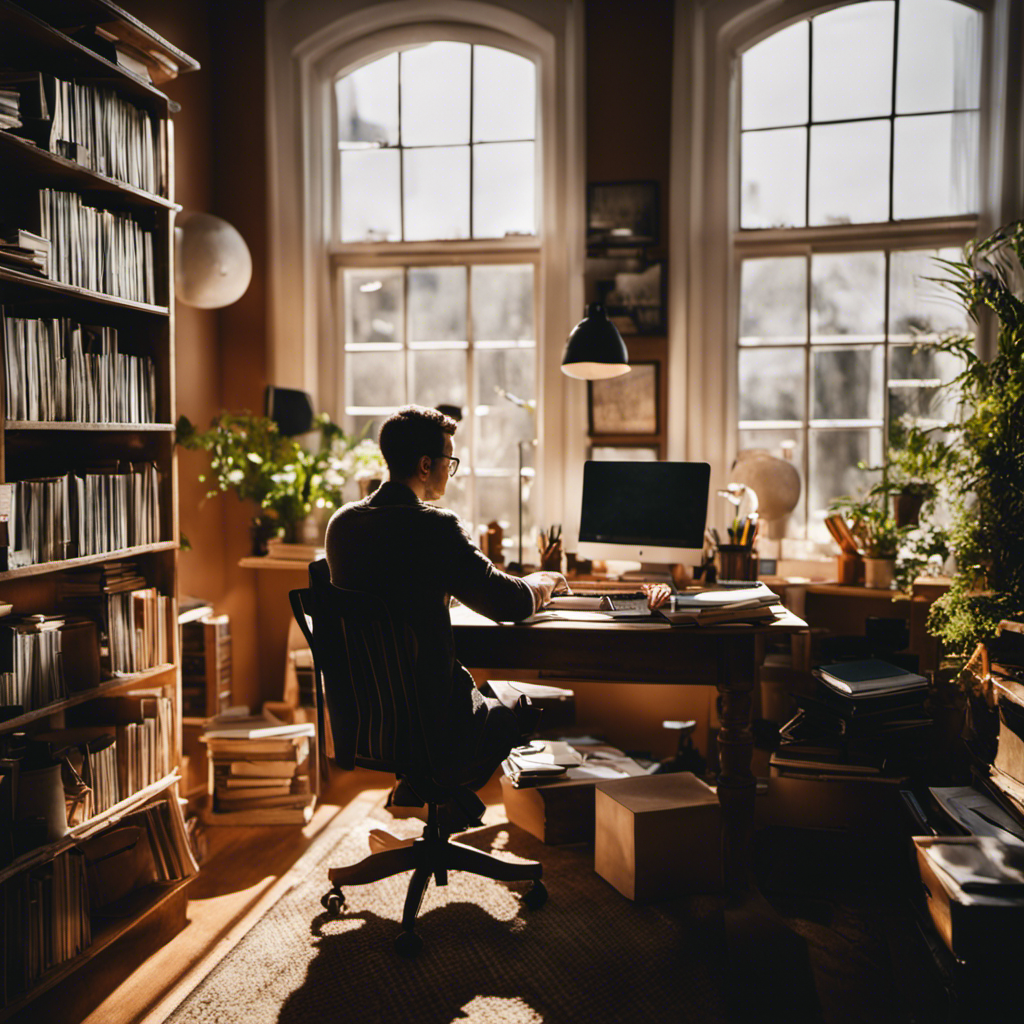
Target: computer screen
pixel 648 511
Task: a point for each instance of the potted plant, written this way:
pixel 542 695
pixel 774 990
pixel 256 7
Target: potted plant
pixel 877 536
pixel 988 525
pixel 916 464
pixel 285 481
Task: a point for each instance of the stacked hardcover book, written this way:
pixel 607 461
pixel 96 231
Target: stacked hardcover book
pixel 259 770
pixel 10 107
pixel 721 605
pixel 867 722
pixel 26 251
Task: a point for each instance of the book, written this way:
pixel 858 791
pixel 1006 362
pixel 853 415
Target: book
pixel 869 677
pixel 724 597
pixel 720 614
pixel 244 770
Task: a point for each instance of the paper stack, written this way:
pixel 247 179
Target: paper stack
pixel 718 605
pixel 259 769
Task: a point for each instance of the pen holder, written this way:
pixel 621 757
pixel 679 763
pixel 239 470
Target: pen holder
pixel 552 558
pixel 737 562
pixel 849 570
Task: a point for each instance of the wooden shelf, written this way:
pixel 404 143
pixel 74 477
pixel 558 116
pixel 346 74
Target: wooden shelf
pixel 69 426
pixel 74 563
pixel 73 59
pixel 42 854
pixel 54 289
pixel 149 900
pixel 58 171
pixel 109 686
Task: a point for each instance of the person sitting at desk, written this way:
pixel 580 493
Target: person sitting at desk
pixel 416 556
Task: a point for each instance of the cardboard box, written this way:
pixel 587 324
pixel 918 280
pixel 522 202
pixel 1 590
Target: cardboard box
pixel 558 812
pixel 658 836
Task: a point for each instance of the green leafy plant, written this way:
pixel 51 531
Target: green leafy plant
pixel 250 457
pixel 917 462
pixel 988 527
pixel 875 531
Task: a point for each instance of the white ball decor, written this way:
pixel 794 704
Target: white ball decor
pixel 212 264
pixel 775 481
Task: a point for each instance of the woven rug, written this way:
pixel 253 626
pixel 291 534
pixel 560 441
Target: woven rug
pixel 588 955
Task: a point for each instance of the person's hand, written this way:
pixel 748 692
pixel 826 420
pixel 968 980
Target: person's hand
pixel 547 584
pixel 657 594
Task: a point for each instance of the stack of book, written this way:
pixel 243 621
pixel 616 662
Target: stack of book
pixel 719 605
pixel 277 548
pixel 31 667
pixel 867 722
pixel 1008 683
pixel 26 251
pixel 59 370
pixel 100 250
pixel 10 108
pixel 259 770
pixel 205 665
pixel 136 620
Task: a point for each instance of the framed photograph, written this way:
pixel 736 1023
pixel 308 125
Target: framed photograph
pixel 622 213
pixel 625 453
pixel 626 404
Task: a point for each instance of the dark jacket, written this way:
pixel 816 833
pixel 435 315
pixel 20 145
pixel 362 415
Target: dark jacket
pixel 416 556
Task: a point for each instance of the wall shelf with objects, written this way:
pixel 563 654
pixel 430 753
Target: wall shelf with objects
pixel 90 677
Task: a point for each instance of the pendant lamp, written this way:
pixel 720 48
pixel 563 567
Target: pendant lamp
pixel 595 349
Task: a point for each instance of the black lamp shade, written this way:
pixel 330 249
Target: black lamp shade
pixel 595 349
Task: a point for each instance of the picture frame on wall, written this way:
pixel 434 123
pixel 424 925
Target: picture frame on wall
pixel 625 405
pixel 622 213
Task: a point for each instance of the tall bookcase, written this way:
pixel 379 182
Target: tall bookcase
pixel 55 37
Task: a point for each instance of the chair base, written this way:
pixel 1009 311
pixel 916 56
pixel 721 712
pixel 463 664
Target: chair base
pixel 432 855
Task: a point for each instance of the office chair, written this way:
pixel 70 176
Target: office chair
pixel 365 683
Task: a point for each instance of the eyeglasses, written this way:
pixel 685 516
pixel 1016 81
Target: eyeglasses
pixel 453 463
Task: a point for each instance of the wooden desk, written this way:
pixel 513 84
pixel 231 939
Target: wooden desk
pixel 726 657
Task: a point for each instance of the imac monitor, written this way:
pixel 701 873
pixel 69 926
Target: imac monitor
pixel 644 511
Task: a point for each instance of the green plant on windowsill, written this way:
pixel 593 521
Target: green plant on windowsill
pixel 285 481
pixel 917 465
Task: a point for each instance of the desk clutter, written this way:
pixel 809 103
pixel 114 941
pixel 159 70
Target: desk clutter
pixel 259 769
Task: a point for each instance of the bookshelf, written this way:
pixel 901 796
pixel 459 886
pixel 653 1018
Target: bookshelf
pixel 110 526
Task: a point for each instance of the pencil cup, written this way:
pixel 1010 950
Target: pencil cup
pixel 736 562
pixel 849 569
pixel 552 558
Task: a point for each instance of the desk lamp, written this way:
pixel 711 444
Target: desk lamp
pixel 595 349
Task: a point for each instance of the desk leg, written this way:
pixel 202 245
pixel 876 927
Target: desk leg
pixel 736 783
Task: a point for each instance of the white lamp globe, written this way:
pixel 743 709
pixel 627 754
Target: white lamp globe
pixel 212 264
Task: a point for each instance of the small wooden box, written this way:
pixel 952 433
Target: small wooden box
pixel 658 836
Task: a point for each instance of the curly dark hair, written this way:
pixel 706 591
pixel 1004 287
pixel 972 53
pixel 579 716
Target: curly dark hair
pixel 410 433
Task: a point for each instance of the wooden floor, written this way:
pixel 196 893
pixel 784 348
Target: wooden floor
pixel 245 871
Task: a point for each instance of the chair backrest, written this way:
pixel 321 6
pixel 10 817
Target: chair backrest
pixel 364 664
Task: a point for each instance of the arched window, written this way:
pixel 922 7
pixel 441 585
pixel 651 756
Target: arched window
pixel 435 255
pixel 859 139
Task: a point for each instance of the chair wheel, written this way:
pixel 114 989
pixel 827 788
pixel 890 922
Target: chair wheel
pixel 333 901
pixel 536 896
pixel 408 944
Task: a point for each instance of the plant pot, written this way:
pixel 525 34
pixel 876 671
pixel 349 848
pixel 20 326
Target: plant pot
pixel 906 508
pixel 879 573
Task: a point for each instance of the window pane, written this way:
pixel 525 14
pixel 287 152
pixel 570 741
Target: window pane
pixel 847 383
pixel 771 384
pixel 848 296
pixel 504 95
pixel 775 79
pixel 850 173
pixel 499 429
pixel 437 377
pixel 367 103
pixel 935 166
pixel 917 374
pixel 917 305
pixel 437 304
pixel 512 370
pixel 503 190
pixel 435 95
pixel 373 307
pixel 783 444
pixel 436 193
pixel 370 207
pixel 773 300
pixel 833 471
pixel 503 303
pixel 939 62
pixel 496 499
pixel 774 165
pixel 375 378
pixel 853 61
